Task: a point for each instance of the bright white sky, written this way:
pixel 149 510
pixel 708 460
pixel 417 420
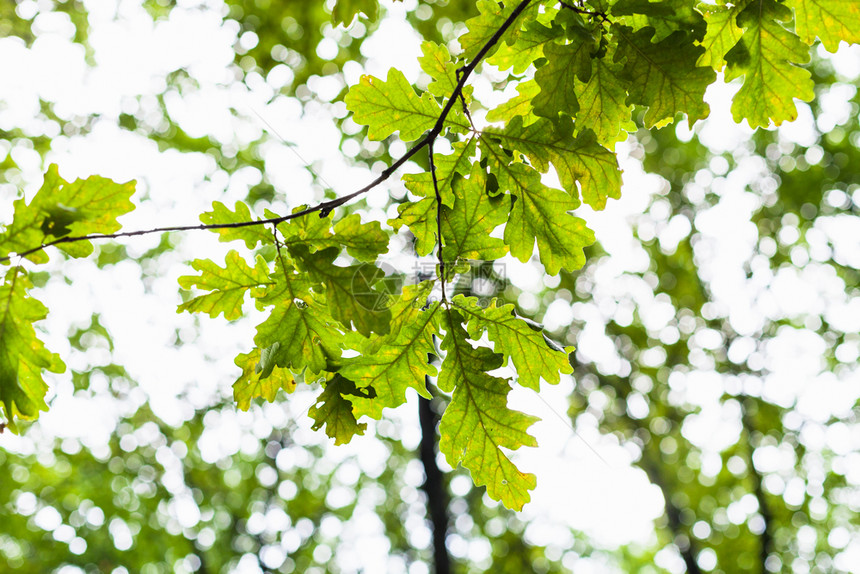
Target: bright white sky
pixel 606 498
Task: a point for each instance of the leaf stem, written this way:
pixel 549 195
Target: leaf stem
pixel 438 221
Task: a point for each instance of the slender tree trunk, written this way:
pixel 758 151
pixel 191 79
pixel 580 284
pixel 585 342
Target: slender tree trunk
pixel 434 486
pixel 673 514
pixel 765 538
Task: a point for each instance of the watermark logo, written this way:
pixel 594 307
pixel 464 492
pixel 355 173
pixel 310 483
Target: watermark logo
pixel 377 287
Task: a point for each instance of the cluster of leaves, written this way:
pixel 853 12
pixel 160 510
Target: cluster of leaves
pixel 333 318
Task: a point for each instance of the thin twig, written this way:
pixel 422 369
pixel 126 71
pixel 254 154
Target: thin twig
pixel 463 100
pixel 326 207
pixel 438 222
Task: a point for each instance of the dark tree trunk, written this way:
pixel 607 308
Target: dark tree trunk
pixel 434 486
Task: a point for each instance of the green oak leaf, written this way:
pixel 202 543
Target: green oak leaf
pixel 528 47
pixel 252 235
pixel 390 106
pixel 602 100
pixel 22 354
pixel 333 409
pixel 663 75
pixel 766 56
pixel 399 360
pixel 227 284
pixel 831 20
pixel 485 25
pixel 539 213
pixel 721 35
pixel 420 216
pixel 520 105
pixel 299 321
pixel 466 226
pixel 576 159
pixel 532 353
pixel 364 241
pixel 61 208
pixel 345 11
pixel 557 79
pixel 349 291
pixel 436 62
pixel 477 423
pixel 260 378
pixel 664 16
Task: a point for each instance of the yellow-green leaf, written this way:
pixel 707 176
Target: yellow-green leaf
pixel 477 423
pixel 663 75
pixel 251 235
pixel 466 226
pixel 227 284
pixel 831 20
pixel 254 382
pixel 390 106
pixel 299 321
pixel 364 241
pixel 539 213
pixel 345 11
pixel 603 106
pixel 533 354
pixel 437 63
pixel 557 79
pixel 420 216
pixel 766 56
pixel 333 409
pixel 721 35
pixel 398 361
pixel 22 355
pixel 60 208
pixel 577 159
pixel 350 291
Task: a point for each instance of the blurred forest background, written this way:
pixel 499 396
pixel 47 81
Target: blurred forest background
pixel 716 321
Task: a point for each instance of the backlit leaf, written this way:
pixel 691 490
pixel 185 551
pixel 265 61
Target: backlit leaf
pixel 252 235
pixel 398 361
pixel 540 213
pixel 364 241
pixel 228 285
pixel 576 159
pixel 299 321
pixel 831 20
pixel 663 75
pixel 478 421
pixel 349 291
pixel 333 409
pixel 603 106
pixel 390 106
pixel 22 355
pixel 766 56
pixel 533 355
pixel 256 382
pixel 466 226
pixel 60 208
pixel 420 216
pixel 722 33
pixel 557 79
